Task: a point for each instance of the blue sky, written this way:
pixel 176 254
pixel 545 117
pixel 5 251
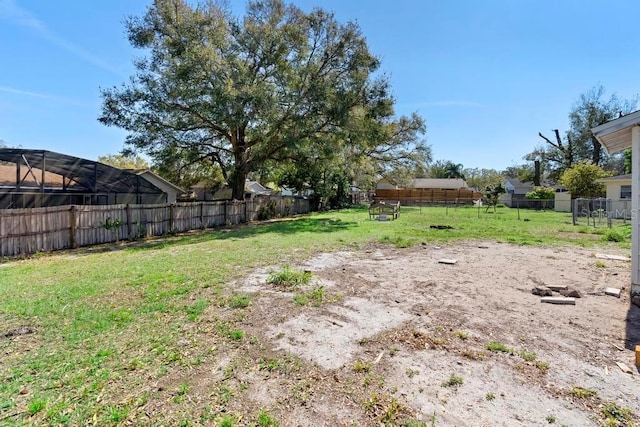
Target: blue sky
pixel 487 76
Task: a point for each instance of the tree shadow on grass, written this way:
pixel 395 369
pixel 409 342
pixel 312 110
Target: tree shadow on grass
pixel 241 231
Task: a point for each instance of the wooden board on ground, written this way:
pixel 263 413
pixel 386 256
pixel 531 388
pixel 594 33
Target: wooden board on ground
pixel 613 257
pixel 613 292
pixel 447 261
pixel 558 300
pixel 557 288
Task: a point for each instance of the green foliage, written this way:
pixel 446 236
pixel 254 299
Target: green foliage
pixel 453 381
pixel 316 296
pixel 581 178
pixel 617 415
pixel 266 420
pixel 289 278
pixel 490 396
pixel 267 210
pixel 491 195
pixel 496 347
pixel 614 235
pixel 113 226
pixel 276 87
pixel 541 193
pixel 446 169
pixel 582 393
pixel 627 161
pixel 239 301
pixel 482 178
pixel 123 161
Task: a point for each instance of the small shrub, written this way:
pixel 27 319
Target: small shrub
pixel 267 211
pixel 551 419
pixel 490 396
pixel 611 412
pixel 412 372
pixel 301 299
pixel 453 381
pixel 462 335
pixel 360 366
pixel 498 347
pixel 543 366
pixel 582 393
pixel 613 236
pixel 529 357
pixel 600 264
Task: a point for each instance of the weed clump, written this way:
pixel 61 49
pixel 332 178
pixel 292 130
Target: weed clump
pixel 288 278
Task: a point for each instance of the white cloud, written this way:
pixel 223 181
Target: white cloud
pixel 15 91
pixel 10 11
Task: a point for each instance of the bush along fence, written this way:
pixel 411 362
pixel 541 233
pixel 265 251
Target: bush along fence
pixel 27 231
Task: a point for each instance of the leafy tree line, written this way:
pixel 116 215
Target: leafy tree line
pixel 290 96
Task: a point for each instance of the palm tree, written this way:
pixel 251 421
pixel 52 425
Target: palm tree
pixel 453 170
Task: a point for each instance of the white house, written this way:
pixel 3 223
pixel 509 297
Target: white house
pixel 619 192
pixel 615 136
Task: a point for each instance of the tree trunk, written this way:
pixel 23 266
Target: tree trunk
pixel 536 173
pixel 237 185
pixel 595 158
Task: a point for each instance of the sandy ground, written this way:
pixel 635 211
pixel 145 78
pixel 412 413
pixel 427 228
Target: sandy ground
pixel 398 324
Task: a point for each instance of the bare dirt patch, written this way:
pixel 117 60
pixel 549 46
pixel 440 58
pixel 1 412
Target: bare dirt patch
pixel 401 326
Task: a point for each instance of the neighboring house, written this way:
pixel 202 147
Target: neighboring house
pixel 516 194
pixel 41 178
pixel 251 189
pixel 516 191
pixel 173 192
pixel 619 192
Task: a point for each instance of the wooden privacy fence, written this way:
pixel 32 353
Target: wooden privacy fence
pixel 425 196
pixel 27 231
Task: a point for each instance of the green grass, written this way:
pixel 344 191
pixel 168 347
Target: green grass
pixel 453 381
pixel 289 278
pixel 108 319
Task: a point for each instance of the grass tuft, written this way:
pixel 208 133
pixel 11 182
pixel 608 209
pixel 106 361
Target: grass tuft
pixel 288 278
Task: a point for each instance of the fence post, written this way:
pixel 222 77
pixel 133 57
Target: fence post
pixel 128 212
pixel 246 218
pixel 202 214
pixel 171 218
pixel 224 204
pixel 72 227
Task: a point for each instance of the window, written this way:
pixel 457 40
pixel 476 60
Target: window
pixel 625 191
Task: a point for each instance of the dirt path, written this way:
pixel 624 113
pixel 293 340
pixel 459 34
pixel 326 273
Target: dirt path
pixel 406 338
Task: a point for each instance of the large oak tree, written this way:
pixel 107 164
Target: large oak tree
pixel 242 93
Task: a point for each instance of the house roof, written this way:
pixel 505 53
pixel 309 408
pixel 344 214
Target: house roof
pixel 149 172
pixel 440 183
pixel 515 182
pixel 615 135
pixel 616 178
pixel 85 175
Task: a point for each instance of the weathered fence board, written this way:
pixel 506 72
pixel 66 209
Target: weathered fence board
pixel 27 231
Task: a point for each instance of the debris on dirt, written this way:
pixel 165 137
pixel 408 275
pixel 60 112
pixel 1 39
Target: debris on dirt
pixel 613 257
pixel 442 227
pixel 483 247
pixel 614 292
pixel 624 368
pixel 618 347
pixel 557 288
pixel 543 292
pixel 638 355
pixel 447 261
pixel 22 330
pixel 558 300
pixel 574 293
